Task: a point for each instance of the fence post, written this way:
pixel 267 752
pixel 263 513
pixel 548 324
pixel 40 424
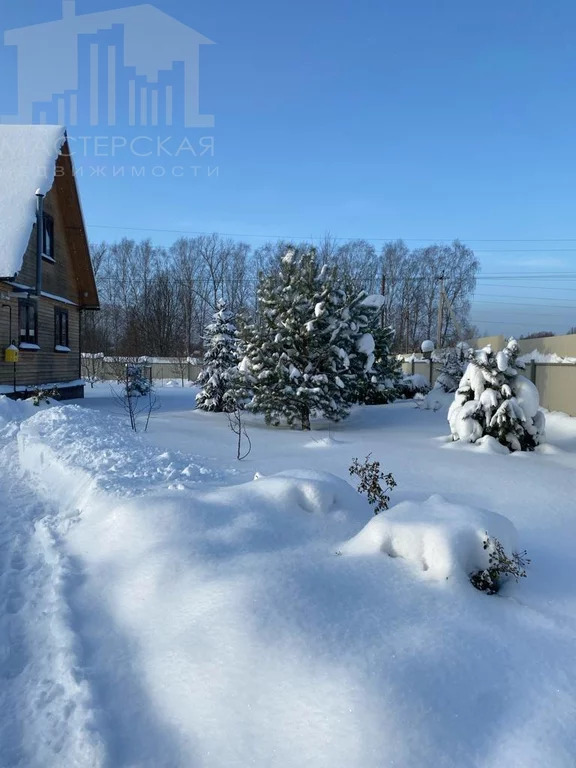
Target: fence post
pixel 431 363
pixel 413 367
pixel 533 371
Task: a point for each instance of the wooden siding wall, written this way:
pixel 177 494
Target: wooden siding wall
pixel 58 277
pixel 45 366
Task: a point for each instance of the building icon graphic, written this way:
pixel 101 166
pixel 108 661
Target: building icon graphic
pixel 134 66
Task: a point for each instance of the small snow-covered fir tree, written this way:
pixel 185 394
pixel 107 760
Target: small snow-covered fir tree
pixel 291 363
pixel 494 399
pixel 220 360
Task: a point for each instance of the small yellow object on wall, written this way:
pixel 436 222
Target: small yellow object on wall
pixel 11 354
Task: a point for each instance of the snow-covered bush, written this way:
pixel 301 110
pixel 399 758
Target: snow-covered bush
pixel 371 477
pixel 500 567
pixel 135 382
pixel 220 360
pixel 136 395
pixel 494 399
pixel 411 385
pixel 44 395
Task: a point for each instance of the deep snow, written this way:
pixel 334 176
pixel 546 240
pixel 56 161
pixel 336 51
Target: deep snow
pixel 196 616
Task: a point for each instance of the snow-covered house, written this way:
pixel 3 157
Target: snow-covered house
pixel 46 276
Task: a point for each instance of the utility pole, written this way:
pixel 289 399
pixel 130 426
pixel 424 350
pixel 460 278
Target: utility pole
pixel 383 292
pixel 440 312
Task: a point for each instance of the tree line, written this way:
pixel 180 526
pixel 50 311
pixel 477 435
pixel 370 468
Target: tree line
pixel 158 300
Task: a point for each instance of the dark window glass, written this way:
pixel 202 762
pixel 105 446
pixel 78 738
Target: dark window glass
pixel 61 327
pixel 48 236
pixel 28 322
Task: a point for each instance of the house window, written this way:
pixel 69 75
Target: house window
pixel 28 322
pixel 61 330
pixel 48 237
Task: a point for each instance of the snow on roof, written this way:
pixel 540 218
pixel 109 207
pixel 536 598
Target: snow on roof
pixel 28 155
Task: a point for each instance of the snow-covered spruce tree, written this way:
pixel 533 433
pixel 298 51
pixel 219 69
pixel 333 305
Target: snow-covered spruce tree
pixel 369 371
pixel 220 359
pixel 291 363
pixel 381 385
pixel 494 399
pixel 451 371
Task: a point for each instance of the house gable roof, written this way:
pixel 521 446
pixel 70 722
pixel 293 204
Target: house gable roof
pixel 66 190
pixel 36 158
pixel 28 155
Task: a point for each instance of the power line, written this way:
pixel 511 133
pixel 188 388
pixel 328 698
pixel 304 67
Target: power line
pixel 498 322
pixel 532 298
pixel 518 304
pixel 546 288
pixel 351 238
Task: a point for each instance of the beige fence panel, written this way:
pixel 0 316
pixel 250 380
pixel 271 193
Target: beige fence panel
pixel 169 370
pixel 556 384
pixel 430 371
pixel 563 346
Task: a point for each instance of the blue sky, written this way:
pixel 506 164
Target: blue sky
pixel 420 120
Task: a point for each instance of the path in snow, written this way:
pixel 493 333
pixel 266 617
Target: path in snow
pixel 45 704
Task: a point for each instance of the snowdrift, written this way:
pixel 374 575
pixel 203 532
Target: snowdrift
pixel 439 539
pixel 69 447
pixel 216 626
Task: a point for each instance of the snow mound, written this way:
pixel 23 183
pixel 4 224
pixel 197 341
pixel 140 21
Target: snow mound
pixel 104 451
pixel 323 442
pixel 441 540
pixel 319 493
pixel 416 381
pixel 28 154
pixel 13 411
pixel 486 444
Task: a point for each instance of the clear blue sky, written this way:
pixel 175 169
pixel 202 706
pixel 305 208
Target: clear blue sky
pixel 421 120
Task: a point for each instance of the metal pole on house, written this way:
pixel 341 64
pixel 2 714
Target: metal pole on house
pixel 440 312
pixel 39 240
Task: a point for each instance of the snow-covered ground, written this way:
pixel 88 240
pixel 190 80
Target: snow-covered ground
pixel 162 608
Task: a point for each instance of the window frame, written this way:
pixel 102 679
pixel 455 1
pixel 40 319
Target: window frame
pixel 48 230
pixel 61 329
pixel 24 305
